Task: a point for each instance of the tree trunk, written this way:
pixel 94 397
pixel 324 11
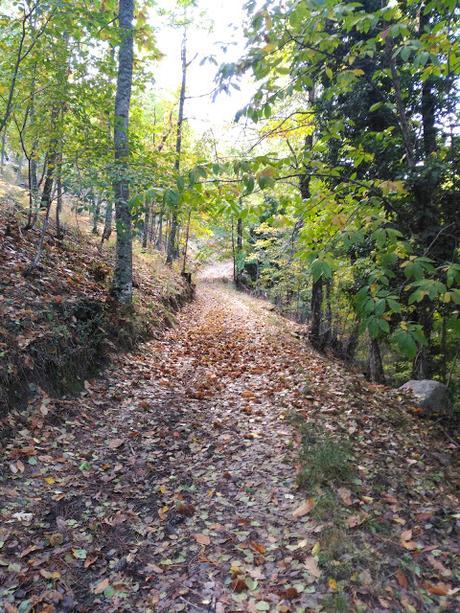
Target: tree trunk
pixel 234 251
pixel 122 285
pixel 187 236
pixel 159 241
pixel 59 233
pixel 96 215
pixel 315 335
pixel 3 151
pixel 171 251
pixel 107 231
pixel 239 248
pixel 146 228
pixel 375 366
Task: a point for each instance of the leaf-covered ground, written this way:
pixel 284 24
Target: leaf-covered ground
pixel 169 484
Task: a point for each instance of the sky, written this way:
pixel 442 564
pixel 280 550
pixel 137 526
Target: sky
pixel 226 17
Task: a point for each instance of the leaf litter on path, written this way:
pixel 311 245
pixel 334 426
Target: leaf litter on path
pixel 170 483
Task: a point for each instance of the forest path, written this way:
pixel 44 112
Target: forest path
pixel 169 484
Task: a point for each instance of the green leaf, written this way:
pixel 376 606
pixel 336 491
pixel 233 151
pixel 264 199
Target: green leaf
pixel 263 605
pixel 405 343
pixel 320 269
pixel 265 182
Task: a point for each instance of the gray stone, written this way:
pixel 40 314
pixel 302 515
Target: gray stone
pixel 431 396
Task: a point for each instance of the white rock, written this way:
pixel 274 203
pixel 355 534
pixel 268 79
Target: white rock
pixel 432 396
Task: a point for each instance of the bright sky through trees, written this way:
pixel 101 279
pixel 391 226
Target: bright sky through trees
pixel 225 19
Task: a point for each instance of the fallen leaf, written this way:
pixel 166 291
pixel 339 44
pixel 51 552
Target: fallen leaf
pixel 355 520
pixel 437 589
pixel 312 566
pixel 202 539
pixel 50 575
pixel 115 443
pixel 401 578
pixel 257 547
pixel 345 496
pixel 304 508
pixel 332 583
pixel 101 586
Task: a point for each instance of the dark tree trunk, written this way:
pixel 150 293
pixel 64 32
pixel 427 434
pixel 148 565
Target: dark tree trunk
pixel 59 233
pixel 171 250
pixel 159 241
pixel 375 366
pixel 122 285
pixel 108 217
pixel 315 336
pixel 187 237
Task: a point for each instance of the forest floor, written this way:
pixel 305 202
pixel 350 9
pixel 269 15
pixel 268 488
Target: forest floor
pixel 171 482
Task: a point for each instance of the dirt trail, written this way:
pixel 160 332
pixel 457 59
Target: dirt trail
pixel 169 484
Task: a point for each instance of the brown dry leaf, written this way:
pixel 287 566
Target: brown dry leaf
pixel 304 508
pixel 257 547
pixel 439 566
pixel 115 443
pixel 101 586
pixel 289 594
pixel 406 535
pixel 437 589
pixel 239 585
pixel 153 568
pixel 50 575
pixel 355 520
pixel 312 566
pixel 406 542
pixel 188 510
pixel 202 539
pixel 345 496
pixel 401 578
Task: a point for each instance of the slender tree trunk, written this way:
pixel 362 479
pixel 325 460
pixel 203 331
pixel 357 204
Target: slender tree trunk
pixel 41 241
pixel 122 284
pixel 96 215
pixel 315 335
pixel 187 237
pixel 3 151
pixel 234 252
pixel 159 242
pixel 375 365
pixel 108 216
pixel 171 251
pixel 239 248
pixel 59 233
pixel 146 228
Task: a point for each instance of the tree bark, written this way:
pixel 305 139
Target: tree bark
pixel 122 285
pixel 107 231
pixel 171 251
pixel 146 228
pixel 315 335
pixel 375 366
pixel 96 215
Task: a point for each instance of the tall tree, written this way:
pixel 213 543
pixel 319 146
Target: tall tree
pixel 122 285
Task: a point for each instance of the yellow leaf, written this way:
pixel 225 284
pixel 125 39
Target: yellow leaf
pixel 316 549
pixel 332 583
pixel 50 480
